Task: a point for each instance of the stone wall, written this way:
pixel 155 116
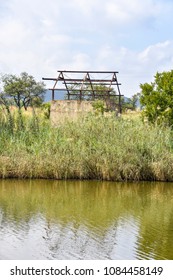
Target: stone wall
pixel 62 110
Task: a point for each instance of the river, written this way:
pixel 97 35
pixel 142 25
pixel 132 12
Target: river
pixel 47 219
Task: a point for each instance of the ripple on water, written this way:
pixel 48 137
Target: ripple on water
pixel 148 248
pixel 39 238
pixel 23 240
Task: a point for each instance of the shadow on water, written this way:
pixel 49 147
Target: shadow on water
pixel 43 219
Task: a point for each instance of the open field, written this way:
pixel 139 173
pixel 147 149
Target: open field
pixel 95 147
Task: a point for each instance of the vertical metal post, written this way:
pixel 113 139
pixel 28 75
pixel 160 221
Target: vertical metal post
pixel 119 95
pixel 53 94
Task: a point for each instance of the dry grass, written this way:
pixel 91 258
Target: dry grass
pixel 95 147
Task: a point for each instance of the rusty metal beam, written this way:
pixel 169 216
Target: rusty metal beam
pixel 99 72
pixel 50 79
pixel 96 84
pixel 61 77
pixel 81 80
pixel 86 90
pixel 95 95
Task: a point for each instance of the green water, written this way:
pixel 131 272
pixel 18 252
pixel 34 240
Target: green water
pixel 44 219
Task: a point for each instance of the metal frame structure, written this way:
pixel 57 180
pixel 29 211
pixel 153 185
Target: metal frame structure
pixel 86 84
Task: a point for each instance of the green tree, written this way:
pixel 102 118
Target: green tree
pixel 131 102
pixel 23 90
pixel 86 91
pixel 134 100
pixel 157 98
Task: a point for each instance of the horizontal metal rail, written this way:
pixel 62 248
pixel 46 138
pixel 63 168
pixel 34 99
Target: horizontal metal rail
pixel 85 90
pixel 88 72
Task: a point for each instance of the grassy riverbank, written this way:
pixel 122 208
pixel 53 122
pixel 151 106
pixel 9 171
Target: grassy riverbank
pixel 96 147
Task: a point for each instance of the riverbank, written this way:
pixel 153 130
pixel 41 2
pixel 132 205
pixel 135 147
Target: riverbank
pixel 95 147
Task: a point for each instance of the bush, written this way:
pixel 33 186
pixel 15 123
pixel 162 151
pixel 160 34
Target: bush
pixel 157 99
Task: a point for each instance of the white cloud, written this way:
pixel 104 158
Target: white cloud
pixel 86 7
pixel 12 34
pixel 125 11
pixel 159 51
pixel 41 36
pixel 136 67
pixel 80 61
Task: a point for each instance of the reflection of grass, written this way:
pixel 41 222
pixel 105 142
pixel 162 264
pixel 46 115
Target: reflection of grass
pixel 65 201
pixel 95 147
pixel 83 201
pixel 156 228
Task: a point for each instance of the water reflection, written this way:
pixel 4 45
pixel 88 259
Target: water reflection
pixel 43 219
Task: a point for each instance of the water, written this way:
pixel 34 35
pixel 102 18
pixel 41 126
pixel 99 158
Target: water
pixel 44 219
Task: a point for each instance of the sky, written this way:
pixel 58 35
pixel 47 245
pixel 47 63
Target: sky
pixel 133 37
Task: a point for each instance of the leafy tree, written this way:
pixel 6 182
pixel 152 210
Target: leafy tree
pixel 130 102
pixel 87 91
pixel 157 98
pixel 99 106
pixel 23 90
pixel 134 100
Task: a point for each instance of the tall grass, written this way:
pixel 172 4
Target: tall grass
pixel 94 147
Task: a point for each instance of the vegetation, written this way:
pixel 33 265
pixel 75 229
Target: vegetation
pixel 22 91
pixel 131 102
pixel 46 109
pixel 85 92
pixel 157 98
pixel 99 106
pixel 95 147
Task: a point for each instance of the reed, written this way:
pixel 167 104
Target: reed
pixel 94 147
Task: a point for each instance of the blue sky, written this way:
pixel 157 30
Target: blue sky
pixel 133 37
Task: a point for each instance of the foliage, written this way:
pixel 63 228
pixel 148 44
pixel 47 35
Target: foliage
pixel 157 98
pixel 133 101
pixel 87 91
pixel 22 91
pixel 102 91
pixel 130 103
pixel 99 106
pixel 46 109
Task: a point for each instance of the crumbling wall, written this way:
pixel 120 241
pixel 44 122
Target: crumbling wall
pixel 62 110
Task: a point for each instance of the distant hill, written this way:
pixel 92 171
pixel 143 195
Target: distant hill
pixel 59 95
